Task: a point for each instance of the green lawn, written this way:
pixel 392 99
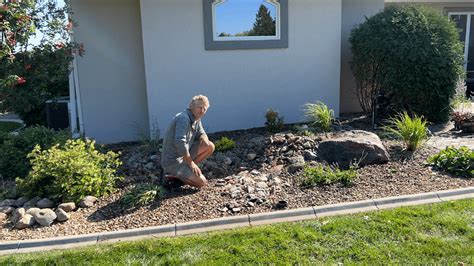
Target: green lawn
pixel 9 126
pixel 439 233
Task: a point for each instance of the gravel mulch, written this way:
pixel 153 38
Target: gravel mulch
pixel 404 174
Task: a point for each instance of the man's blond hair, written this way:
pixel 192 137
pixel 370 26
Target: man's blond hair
pixel 199 98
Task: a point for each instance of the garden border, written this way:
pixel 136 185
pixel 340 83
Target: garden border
pixel 179 229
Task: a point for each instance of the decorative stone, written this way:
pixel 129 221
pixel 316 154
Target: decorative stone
pixel 67 207
pixel 149 166
pixel 310 156
pixel 235 209
pixel 254 172
pixel 296 160
pixel 31 203
pixel 295 168
pixel 32 211
pixel 262 185
pixel 62 215
pixel 21 201
pixel 45 217
pixel 3 218
pixel 87 202
pixel 26 221
pixel 45 203
pixel 6 210
pixel 17 215
pixel 227 161
pixel 251 156
pixel 7 203
pixel 276 170
pixel 356 145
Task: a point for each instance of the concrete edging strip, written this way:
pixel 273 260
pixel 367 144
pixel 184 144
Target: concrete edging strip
pixel 20 246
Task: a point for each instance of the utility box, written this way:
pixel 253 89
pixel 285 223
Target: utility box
pixel 57 113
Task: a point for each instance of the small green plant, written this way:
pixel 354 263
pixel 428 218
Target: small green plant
pixel 70 172
pixel 273 121
pixel 455 161
pixel 150 140
pixel 141 195
pixel 224 144
pixel 412 131
pixel 325 175
pixel 319 115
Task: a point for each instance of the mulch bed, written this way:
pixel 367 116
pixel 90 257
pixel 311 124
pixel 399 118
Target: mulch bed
pixel 406 173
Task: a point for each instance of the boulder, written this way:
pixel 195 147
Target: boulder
pixel 7 203
pixel 67 207
pixel 3 218
pixel 251 156
pixel 31 203
pixel 33 211
pixel 45 217
pixel 45 203
pixel 357 145
pixel 87 202
pixel 21 201
pixel 62 215
pixel 6 210
pixel 25 222
pixel 17 215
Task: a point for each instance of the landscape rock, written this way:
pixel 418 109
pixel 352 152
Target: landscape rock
pixel 296 160
pixel 31 203
pixel 67 207
pixel 25 221
pixel 45 217
pixel 7 203
pixel 6 209
pixel 87 202
pixel 21 201
pixel 17 215
pixel 3 218
pixel 310 156
pixel 62 215
pixel 45 203
pixel 295 168
pixel 356 145
pixel 251 156
pixel 33 211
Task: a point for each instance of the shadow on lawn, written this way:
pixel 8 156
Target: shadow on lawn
pixel 117 209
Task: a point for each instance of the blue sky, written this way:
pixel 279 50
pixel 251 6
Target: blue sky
pixel 234 16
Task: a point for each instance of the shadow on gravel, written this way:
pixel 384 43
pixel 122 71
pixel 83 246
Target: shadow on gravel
pixel 116 209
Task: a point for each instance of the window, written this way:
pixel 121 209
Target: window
pixel 245 24
pixel 465 22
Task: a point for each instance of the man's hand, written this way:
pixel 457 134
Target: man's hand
pixel 196 169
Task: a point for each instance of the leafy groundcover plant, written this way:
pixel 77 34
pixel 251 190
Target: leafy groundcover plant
pixel 457 161
pixel 412 131
pixel 326 175
pixel 141 195
pixel 70 173
pixel 225 144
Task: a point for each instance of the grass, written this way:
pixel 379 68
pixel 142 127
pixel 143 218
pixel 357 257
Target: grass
pixel 325 175
pixel 6 126
pixel 319 115
pixel 412 131
pixel 432 234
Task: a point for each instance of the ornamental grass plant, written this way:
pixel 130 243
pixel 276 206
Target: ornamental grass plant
pixel 319 115
pixel 411 130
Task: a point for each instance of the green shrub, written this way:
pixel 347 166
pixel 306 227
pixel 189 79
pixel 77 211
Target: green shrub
pixel 15 148
pixel 274 122
pixel 319 115
pixel 224 144
pixel 141 195
pixel 455 161
pixel 325 175
pixel 70 172
pixel 412 56
pixel 412 131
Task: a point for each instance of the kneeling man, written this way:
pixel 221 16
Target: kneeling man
pixel 186 144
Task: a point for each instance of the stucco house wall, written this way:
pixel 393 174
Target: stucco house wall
pixel 111 73
pixel 145 59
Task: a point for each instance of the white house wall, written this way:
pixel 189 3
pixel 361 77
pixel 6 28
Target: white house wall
pixel 241 84
pixel 353 14
pixel 111 73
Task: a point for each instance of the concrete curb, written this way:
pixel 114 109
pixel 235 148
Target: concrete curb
pixel 23 246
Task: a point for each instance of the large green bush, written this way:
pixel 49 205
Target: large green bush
pixel 412 56
pixel 15 148
pixel 70 173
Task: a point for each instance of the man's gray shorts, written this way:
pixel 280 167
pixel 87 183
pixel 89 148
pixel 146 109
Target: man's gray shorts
pixel 181 169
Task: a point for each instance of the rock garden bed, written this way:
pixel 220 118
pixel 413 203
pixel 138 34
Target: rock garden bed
pixel 262 173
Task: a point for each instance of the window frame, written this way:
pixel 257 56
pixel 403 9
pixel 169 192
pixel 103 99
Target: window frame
pixel 237 43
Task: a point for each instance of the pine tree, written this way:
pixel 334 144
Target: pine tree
pixel 264 24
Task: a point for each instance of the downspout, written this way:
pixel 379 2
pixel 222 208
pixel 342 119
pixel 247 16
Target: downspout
pixel 78 96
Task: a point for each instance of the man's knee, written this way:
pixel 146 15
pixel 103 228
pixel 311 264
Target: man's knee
pixel 211 147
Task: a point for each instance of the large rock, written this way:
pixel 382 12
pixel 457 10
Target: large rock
pixel 31 203
pixel 17 215
pixel 87 202
pixel 33 211
pixel 25 222
pixel 20 201
pixel 3 218
pixel 45 217
pixel 67 207
pixel 45 203
pixel 6 209
pixel 7 203
pixel 62 215
pixel 356 145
